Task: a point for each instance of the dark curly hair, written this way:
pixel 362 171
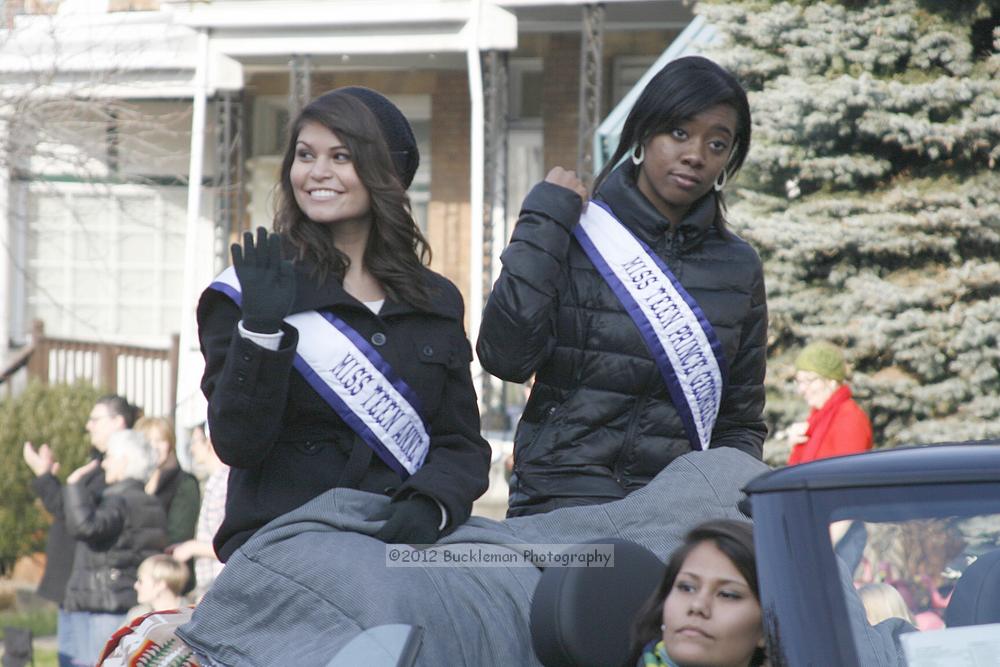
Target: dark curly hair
pixel 397 251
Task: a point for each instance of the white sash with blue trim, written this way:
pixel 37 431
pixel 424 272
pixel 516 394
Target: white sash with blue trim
pixel 678 334
pixel 354 379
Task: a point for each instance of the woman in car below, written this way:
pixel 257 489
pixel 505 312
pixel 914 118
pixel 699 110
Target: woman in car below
pixel 706 612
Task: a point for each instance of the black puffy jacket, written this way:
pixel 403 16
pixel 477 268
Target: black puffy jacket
pixel 179 493
pixel 113 537
pixel 60 547
pixel 599 422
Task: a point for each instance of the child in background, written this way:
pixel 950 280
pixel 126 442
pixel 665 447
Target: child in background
pixel 159 584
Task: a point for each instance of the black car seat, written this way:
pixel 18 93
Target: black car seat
pixel 976 598
pixel 582 616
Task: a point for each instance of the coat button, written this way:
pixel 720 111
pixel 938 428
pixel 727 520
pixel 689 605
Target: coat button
pixel 246 357
pixel 378 339
pixel 241 378
pixel 428 351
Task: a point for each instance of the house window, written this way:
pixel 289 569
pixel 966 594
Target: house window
pixel 525 92
pixel 525 151
pixel 270 125
pixel 98 221
pixel 420 189
pixel 625 73
pixel 104 261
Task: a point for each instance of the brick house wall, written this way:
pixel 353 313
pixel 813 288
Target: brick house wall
pixel 449 211
pixel 560 107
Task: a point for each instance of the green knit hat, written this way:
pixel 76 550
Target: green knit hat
pixel 822 358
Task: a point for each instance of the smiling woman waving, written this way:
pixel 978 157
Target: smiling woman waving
pixel 644 319
pixel 333 356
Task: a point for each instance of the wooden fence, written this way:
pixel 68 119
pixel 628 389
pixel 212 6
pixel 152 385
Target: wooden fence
pixel 146 376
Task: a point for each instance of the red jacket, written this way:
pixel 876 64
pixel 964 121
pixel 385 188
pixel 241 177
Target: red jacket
pixel 839 427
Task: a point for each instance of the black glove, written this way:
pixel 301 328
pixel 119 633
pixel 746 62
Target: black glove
pixel 414 520
pixel 266 280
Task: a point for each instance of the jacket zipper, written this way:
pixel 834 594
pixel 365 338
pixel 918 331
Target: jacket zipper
pixel 673 240
pixel 549 415
pixel 628 441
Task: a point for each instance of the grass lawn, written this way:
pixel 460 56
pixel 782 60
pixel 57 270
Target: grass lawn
pixel 41 622
pixel 46 657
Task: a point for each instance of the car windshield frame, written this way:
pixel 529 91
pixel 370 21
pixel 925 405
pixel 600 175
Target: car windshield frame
pixel 802 592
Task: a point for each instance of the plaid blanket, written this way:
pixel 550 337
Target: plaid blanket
pixel 149 641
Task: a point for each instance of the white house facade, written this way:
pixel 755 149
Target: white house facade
pixel 142 137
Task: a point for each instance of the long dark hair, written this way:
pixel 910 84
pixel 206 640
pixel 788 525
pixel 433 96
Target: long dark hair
pixel 681 90
pixel 732 538
pixel 397 251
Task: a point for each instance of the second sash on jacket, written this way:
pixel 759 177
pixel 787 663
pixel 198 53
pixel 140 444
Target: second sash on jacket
pixel 677 332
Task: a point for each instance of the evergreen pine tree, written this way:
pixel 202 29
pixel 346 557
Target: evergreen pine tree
pixel 872 192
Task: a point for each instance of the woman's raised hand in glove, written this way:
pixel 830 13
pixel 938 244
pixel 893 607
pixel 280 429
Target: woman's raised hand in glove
pixel 266 280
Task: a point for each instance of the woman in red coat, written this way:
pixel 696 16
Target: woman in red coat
pixel 836 424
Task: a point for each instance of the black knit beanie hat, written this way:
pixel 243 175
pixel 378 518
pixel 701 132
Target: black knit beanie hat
pixel 395 128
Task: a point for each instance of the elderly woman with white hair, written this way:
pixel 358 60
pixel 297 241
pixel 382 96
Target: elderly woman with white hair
pixel 115 532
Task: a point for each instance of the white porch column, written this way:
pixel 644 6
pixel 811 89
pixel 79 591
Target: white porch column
pixel 190 403
pixel 7 266
pixel 476 153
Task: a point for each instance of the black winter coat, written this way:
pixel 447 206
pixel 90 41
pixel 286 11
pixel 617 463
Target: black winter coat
pixel 60 546
pixel 113 537
pixel 600 423
pixel 179 493
pixel 285 445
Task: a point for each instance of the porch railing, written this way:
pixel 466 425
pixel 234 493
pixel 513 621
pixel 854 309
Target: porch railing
pixel 146 376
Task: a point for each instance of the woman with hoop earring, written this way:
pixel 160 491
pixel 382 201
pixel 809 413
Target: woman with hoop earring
pixel 643 318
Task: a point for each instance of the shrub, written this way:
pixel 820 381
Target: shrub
pixel 40 414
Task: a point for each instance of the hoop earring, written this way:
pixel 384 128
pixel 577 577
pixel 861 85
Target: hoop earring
pixel 720 182
pixel 638 155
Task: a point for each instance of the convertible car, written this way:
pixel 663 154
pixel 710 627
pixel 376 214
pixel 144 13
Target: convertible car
pixel 923 522
pixel 883 559
pixel 919 526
